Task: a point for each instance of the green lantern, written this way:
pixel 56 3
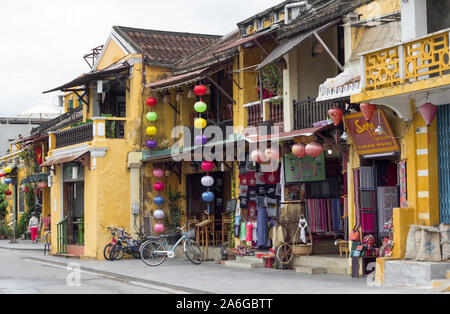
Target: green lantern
pixel 200 107
pixel 152 116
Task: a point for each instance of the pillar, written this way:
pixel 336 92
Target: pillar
pixel 135 165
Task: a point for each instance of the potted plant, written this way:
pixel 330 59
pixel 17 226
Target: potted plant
pixel 2 232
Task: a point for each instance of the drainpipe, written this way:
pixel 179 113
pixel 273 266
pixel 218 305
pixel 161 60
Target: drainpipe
pixel 298 5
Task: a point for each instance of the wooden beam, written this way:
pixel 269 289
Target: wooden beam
pixel 329 51
pixel 221 89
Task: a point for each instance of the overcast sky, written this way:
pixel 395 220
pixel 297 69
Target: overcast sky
pixel 43 41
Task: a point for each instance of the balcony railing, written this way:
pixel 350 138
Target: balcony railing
pixel 75 136
pixel 274 106
pixel 412 61
pixel 308 112
pixel 68 118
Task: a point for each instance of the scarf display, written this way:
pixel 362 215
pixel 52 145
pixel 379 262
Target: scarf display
pixel 324 215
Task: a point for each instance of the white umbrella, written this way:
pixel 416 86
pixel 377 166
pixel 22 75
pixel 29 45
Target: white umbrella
pixel 40 112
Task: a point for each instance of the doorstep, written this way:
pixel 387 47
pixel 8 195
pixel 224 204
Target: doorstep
pixel 246 262
pixel 316 264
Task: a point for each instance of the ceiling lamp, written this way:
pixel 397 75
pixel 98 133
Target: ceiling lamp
pixel 191 94
pixel 166 98
pixel 379 130
pixel 180 95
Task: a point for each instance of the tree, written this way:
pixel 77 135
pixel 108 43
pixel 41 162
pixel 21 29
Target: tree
pixel 173 220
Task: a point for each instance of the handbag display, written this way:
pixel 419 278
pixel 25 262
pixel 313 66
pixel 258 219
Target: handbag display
pixel 355 235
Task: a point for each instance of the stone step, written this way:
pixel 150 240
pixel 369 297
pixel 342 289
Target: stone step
pixel 411 273
pixel 310 270
pixel 441 285
pixel 332 265
pixel 246 262
pixel 448 274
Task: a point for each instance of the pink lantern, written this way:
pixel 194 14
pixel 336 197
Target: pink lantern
pixel 257 156
pixel 159 228
pixel 207 165
pixel 299 150
pixel 158 173
pixel 25 189
pixel 8 192
pixel 368 110
pixel 336 114
pixel 42 185
pixel 314 149
pixel 2 174
pixel 158 186
pixel 272 154
pixel 428 112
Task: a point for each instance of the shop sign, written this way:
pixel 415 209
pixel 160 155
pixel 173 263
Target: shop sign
pixel 365 140
pixel 307 169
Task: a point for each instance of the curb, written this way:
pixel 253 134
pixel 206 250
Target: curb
pixel 22 249
pixel 124 278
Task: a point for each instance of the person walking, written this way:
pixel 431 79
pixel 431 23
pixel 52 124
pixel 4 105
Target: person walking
pixel 33 226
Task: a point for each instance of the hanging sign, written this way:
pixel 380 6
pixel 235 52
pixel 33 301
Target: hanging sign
pixel 365 140
pixel 307 169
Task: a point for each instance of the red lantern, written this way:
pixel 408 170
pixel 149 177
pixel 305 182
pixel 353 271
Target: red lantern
pixel 299 150
pixel 200 90
pixel 151 102
pixel 42 185
pixel 2 174
pixel 158 186
pixel 207 165
pixel 368 110
pixel 336 115
pixel 159 228
pixel 8 192
pixel 25 189
pixel 314 149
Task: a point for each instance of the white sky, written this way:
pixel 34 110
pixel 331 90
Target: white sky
pixel 43 41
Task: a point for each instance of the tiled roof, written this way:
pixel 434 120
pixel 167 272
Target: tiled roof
pixel 322 12
pixel 164 48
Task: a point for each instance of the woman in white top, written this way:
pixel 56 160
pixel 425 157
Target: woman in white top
pixel 33 226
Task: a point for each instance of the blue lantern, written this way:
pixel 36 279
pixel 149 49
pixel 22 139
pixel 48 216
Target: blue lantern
pixel 159 200
pixel 8 181
pixel 208 197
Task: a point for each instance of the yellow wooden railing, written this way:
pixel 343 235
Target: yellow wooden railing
pixel 416 60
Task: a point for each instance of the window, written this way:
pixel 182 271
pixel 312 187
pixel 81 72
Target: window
pixel 21 202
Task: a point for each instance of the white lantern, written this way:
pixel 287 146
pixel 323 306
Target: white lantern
pixel 159 214
pixel 208 181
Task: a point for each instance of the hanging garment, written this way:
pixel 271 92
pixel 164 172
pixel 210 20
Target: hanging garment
pixel 366 178
pixel 302 224
pixel 243 231
pixel 262 229
pixel 249 232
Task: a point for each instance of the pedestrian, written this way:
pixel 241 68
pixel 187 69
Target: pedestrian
pixel 33 226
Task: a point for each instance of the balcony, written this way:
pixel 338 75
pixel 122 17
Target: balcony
pixel 100 128
pixel 413 61
pixel 309 112
pixel 273 109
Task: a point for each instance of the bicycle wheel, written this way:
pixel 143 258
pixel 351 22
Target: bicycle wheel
pixel 116 253
pixel 152 253
pixel 107 252
pixel 193 252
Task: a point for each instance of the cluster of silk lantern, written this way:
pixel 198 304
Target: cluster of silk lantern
pixel 159 200
pixel 4 173
pixel 260 157
pixel 200 107
pixel 336 114
pixel 152 117
pixel 208 181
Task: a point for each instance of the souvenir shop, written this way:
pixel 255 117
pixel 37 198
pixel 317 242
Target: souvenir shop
pixel 379 181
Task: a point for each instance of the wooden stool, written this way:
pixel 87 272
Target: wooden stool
pixel 343 248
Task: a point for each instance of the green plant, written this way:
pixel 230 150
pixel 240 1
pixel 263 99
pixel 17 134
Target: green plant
pixel 231 240
pixel 29 158
pixel 3 202
pixel 22 226
pixel 272 79
pixel 173 220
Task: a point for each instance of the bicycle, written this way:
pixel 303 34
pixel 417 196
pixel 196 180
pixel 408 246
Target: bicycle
pixel 125 244
pixel 48 242
pixel 154 251
pixel 107 251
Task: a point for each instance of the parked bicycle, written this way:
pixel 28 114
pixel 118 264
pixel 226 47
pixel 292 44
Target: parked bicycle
pixel 154 251
pixel 118 254
pixel 125 244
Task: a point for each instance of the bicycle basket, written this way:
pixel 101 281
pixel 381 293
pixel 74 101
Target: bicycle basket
pixel 190 234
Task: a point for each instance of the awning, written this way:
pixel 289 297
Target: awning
pixel 65 159
pixel 85 79
pixel 247 40
pixel 344 85
pixel 176 79
pixel 37 177
pixel 287 45
pixel 285 136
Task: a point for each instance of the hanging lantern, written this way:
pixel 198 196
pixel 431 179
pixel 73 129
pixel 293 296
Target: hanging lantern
pixel 152 144
pixel 428 112
pixel 191 94
pixel 272 154
pixel 151 102
pixel 152 116
pixel 299 150
pixel 158 173
pixel 7 170
pixel 200 123
pixel 168 173
pixel 207 181
pixel 200 107
pixel 166 98
pixel 200 140
pixel 159 186
pixel 8 181
pixel 200 90
pixel 257 156
pixel 42 185
pixel 314 149
pixel 25 189
pixel 8 192
pixel 336 114
pixel 159 214
pixel 2 174
pixel 368 110
pixel 159 200
pixel 159 228
pixel 207 165
pixel 208 197
pixel 151 130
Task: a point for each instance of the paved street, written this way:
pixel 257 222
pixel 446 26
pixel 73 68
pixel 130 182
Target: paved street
pixel 31 272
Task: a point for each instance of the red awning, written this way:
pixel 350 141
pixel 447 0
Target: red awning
pixel 81 157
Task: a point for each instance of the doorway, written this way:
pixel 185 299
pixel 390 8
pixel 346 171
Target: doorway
pixel 74 211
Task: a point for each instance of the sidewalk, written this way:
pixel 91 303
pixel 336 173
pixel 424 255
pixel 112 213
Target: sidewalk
pixel 218 279
pixel 22 245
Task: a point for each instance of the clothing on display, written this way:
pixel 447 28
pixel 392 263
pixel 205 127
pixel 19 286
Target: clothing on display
pixel 262 230
pixel 324 215
pixel 366 178
pixel 249 232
